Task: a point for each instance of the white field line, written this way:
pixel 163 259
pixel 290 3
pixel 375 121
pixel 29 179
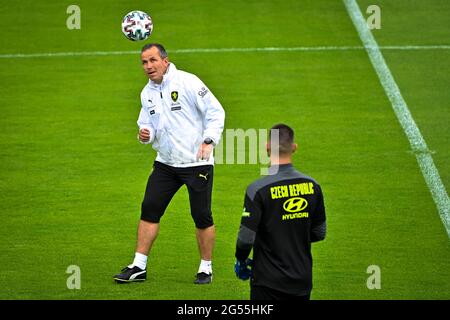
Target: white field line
pixel 219 50
pixel 418 144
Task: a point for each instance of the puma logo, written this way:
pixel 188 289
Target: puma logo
pixel 203 176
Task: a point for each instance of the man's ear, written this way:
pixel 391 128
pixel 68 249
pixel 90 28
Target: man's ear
pixel 166 61
pixel 294 147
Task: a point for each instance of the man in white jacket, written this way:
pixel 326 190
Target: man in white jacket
pixel 183 121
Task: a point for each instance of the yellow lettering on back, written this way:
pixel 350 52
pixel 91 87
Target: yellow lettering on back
pixel 311 188
pixel 284 191
pixel 298 189
pixel 273 192
pixel 279 192
pixel 292 190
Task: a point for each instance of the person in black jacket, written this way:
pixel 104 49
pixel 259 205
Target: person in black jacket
pixel 283 213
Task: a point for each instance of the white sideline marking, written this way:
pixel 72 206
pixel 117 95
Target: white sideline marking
pixel 218 50
pixel 418 144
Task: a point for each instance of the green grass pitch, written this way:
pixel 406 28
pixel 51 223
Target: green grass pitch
pixel 72 174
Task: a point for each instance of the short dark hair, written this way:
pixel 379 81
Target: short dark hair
pixel 285 138
pixel 162 52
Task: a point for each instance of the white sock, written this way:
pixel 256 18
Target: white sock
pixel 140 260
pixel 205 266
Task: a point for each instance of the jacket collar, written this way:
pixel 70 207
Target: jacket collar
pixel 170 73
pixel 273 169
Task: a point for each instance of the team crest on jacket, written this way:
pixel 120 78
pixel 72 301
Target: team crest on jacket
pixel 174 95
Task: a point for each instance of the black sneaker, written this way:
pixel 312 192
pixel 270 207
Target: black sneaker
pixel 203 278
pixel 133 274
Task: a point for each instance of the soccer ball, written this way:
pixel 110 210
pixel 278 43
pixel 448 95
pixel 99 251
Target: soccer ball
pixel 137 25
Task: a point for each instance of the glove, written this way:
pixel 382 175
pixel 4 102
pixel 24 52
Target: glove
pixel 242 269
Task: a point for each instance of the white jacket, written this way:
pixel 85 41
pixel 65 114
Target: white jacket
pixel 180 113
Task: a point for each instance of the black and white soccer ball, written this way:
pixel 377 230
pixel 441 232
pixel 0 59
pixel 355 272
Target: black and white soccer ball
pixel 137 25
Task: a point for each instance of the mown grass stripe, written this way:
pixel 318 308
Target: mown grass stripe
pixel 418 144
pixel 220 50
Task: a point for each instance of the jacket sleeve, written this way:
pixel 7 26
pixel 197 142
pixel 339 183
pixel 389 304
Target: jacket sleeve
pixel 210 107
pixel 318 223
pixel 250 221
pixel 144 122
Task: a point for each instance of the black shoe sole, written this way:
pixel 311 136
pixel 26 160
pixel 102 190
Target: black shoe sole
pixel 205 282
pixel 128 281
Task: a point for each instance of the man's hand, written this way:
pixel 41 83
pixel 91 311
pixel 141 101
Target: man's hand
pixel 242 269
pixel 204 152
pixel 144 135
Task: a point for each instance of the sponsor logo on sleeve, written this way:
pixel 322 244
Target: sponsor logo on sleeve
pixel 203 91
pixel 245 213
